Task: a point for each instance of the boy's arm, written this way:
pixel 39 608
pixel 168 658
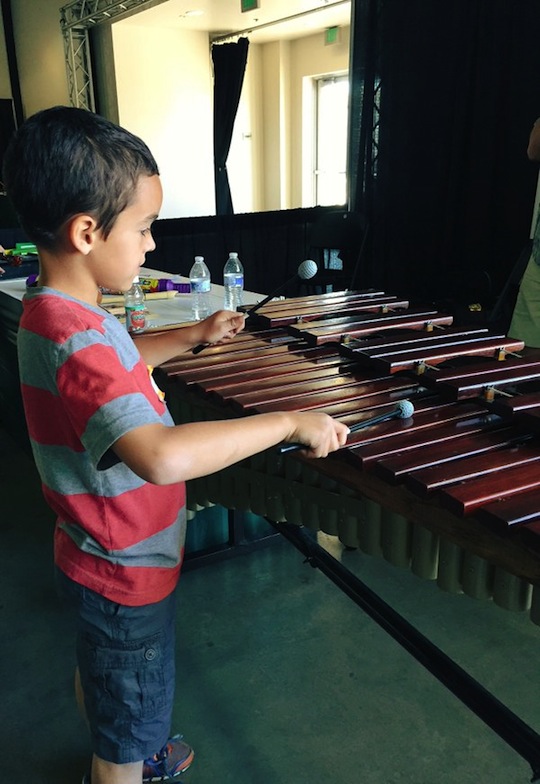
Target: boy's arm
pixel 164 455
pixel 220 327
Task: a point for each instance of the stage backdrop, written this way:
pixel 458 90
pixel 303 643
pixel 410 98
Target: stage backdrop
pixel 440 165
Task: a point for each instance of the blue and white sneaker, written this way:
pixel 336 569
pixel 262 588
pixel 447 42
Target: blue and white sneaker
pixel 174 759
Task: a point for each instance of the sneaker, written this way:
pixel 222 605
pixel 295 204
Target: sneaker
pixel 174 758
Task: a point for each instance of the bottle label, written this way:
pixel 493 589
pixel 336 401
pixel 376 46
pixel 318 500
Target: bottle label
pixel 136 318
pixel 235 279
pixel 200 286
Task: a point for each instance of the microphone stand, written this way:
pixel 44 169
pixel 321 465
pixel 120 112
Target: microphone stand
pixel 260 304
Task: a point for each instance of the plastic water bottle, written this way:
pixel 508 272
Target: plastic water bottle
pixel 233 282
pixel 135 308
pixel 199 280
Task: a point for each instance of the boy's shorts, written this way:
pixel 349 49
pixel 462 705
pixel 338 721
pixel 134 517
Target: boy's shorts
pixel 126 662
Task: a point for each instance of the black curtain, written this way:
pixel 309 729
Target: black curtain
pixel 229 66
pixel 9 40
pixel 444 97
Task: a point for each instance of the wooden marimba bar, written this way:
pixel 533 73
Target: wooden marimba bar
pixel 453 492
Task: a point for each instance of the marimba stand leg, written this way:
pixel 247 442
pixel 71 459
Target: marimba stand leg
pixel 522 738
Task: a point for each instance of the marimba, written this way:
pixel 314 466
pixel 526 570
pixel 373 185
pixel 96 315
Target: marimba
pixel 453 493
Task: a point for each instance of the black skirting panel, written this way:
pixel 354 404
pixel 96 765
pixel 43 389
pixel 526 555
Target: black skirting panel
pixel 270 245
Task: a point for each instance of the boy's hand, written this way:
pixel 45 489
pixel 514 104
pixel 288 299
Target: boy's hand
pixel 221 327
pixel 319 432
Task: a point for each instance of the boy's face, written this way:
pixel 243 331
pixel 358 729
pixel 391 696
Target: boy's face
pixel 116 260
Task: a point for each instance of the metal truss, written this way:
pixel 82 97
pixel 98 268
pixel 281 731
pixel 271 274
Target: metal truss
pixel 375 127
pixel 76 19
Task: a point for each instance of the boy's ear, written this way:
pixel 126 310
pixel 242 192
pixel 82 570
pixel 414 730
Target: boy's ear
pixel 82 233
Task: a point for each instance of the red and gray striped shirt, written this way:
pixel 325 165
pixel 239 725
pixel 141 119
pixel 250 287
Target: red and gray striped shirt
pixel 84 385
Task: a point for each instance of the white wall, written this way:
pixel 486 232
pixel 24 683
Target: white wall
pixel 40 54
pixel 271 70
pixel 164 87
pixel 309 58
pixel 5 87
pixel 243 168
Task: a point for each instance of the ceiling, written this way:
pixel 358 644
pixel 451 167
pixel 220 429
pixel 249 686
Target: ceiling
pixel 223 17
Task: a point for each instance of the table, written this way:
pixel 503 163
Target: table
pixel 175 311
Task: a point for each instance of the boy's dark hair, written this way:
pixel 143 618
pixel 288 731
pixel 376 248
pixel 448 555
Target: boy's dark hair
pixel 65 161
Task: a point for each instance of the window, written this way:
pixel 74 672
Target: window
pixel 331 121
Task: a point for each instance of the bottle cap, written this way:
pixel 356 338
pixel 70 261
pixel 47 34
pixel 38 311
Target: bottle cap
pixel 233 253
pixel 136 279
pixel 199 258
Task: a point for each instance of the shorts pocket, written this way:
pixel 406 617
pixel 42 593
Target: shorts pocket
pixel 123 680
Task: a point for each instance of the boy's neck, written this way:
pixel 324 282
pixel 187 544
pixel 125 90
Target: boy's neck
pixel 67 275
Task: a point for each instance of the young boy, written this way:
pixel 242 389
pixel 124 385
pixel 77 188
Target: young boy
pixel 111 460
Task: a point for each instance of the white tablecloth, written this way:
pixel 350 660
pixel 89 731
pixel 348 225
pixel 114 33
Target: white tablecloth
pixel 162 312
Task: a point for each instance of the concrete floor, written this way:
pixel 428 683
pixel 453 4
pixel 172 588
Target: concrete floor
pixel 282 679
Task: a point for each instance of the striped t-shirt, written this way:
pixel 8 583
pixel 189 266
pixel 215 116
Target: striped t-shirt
pixel 84 385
